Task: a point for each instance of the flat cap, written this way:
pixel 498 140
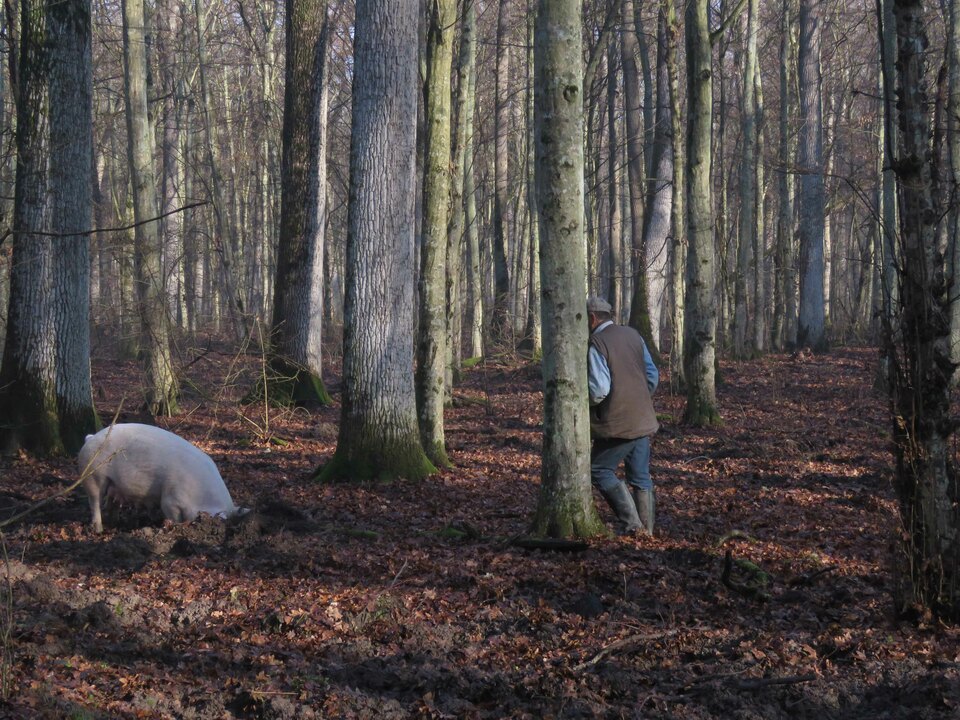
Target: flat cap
pixel 598 305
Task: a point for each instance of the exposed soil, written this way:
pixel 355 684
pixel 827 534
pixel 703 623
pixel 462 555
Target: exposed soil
pixel 408 600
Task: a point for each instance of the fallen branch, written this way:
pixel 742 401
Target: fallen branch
pixel 808 578
pixel 625 643
pixel 760 683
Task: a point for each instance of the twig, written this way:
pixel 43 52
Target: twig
pixel 760 683
pixel 622 644
pixel 810 577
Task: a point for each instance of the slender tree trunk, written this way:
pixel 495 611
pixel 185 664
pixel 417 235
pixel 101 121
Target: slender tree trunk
pixel 223 241
pixel 749 210
pixel 647 308
pixel 379 437
pixel 678 246
pixel 499 319
pixel 534 329
pixel 700 319
pixel 455 231
pixel 784 329
pixel 760 234
pixel 432 343
pixel 565 507
pixel 615 222
pixel 471 219
pixel 810 330
pixel 161 383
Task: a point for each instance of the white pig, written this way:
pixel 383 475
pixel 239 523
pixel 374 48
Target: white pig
pixel 147 465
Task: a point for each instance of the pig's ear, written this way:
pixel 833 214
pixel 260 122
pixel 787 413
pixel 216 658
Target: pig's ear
pixel 87 438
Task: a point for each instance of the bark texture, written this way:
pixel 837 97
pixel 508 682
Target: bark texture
pixel 565 507
pixel 379 437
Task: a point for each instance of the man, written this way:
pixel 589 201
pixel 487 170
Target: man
pixel 622 378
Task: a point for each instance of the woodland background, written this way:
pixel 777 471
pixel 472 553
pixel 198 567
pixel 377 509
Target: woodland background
pixel 242 220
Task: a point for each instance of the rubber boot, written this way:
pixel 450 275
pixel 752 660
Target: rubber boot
pixel 622 505
pixel 646 508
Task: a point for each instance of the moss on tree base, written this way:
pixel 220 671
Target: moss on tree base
pixel 375 464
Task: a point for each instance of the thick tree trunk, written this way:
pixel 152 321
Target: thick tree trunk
pixel 432 343
pixel 70 207
pixel 45 396
pixel 379 437
pixel 700 320
pixel 953 144
pixel 565 507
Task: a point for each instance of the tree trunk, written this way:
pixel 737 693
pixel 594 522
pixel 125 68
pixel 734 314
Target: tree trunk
pixel 223 240
pixel 749 211
pixel 700 318
pixel 784 330
pixel 499 317
pixel 534 328
pixel 953 145
pixel 474 274
pixel 565 507
pixel 379 437
pixel 70 207
pixel 161 383
pixel 650 288
pixel 810 329
pixel 432 343
pixel 678 247
pixel 925 478
pixel 296 336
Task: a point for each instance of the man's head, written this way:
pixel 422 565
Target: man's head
pixel 598 311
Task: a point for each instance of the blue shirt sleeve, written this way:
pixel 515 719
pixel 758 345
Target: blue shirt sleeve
pixel 653 374
pixel 598 376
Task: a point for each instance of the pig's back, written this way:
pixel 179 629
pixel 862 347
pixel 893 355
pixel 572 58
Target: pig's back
pixel 151 457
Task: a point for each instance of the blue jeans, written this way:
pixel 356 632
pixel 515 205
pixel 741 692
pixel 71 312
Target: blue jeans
pixel 606 456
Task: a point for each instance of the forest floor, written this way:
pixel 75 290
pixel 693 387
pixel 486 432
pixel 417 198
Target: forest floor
pixel 408 600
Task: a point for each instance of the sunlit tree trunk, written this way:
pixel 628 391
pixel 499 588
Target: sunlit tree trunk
pixel 432 342
pixel 379 437
pixel 678 245
pixel 565 507
pixel 810 329
pixel 700 320
pixel 296 335
pixel 161 384
pixel 474 275
pixel 534 328
pixel 45 395
pixel 71 210
pixel 614 219
pixel 456 246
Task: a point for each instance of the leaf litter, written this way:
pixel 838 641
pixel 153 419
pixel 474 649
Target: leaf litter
pixel 766 592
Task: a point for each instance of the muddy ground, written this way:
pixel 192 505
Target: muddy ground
pixel 409 600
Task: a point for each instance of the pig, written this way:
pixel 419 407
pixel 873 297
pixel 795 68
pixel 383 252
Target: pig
pixel 148 465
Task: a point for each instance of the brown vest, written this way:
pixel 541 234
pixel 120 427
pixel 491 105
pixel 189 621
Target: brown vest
pixel 627 412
